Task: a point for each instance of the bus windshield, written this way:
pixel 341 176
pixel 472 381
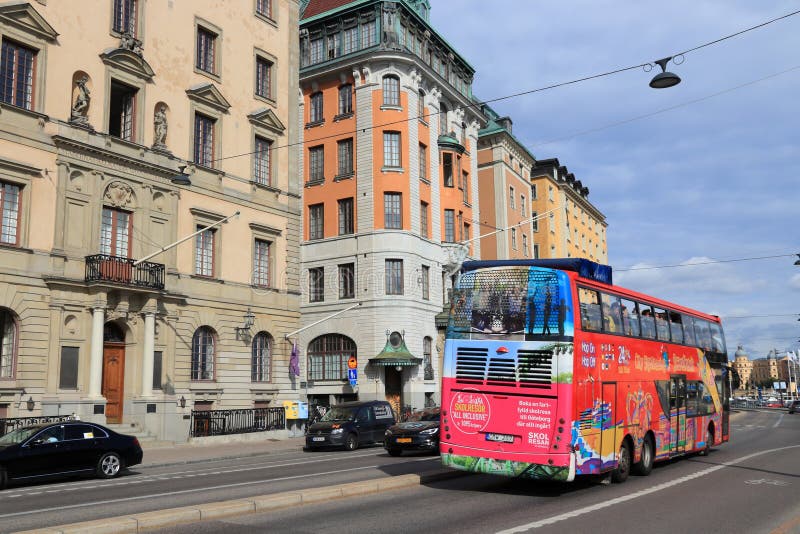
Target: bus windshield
pixel 517 303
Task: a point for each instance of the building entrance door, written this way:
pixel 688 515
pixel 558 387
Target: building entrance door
pixel 113 372
pixel 394 389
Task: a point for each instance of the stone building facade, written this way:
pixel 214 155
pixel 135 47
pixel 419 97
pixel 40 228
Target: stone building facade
pixel 126 126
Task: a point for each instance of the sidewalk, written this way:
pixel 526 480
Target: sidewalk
pixel 158 454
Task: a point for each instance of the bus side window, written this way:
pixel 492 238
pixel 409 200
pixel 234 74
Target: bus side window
pixel 648 321
pixel 612 319
pixel 630 318
pixel 688 330
pixel 691 398
pixel 590 309
pixel 717 341
pixel 675 327
pixel 662 325
pixel 702 334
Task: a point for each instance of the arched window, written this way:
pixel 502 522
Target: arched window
pixel 261 362
pixel 112 333
pixel 391 90
pixel 427 360
pixel 328 355
pixel 203 353
pixel 8 344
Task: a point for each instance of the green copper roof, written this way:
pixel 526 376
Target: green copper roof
pixel 395 355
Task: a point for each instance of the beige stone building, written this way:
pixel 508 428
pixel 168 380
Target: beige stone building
pixel 101 103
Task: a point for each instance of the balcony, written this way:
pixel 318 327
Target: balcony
pixel 105 268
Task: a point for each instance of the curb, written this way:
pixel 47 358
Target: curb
pixel 135 523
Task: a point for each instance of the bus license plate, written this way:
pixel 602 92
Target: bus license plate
pixel 403 440
pixel 318 438
pixel 503 438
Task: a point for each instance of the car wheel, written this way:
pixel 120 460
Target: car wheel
pixel 351 442
pixel 620 474
pixel 394 451
pixel 109 465
pixel 645 464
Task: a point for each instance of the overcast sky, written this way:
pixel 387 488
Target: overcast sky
pixel 715 178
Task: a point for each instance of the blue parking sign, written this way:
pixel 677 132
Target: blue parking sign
pixel 352 376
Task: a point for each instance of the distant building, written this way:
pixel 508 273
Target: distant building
pixel 390 189
pixel 766 370
pixel 744 368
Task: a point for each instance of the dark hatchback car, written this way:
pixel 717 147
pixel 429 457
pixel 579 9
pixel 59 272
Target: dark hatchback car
pixel 794 406
pixel 350 425
pixel 66 448
pixel 419 433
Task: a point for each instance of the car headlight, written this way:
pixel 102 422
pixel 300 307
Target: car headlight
pixel 388 432
pixel 337 431
pixel 430 431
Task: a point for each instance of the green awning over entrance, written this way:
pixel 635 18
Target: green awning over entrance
pixel 395 354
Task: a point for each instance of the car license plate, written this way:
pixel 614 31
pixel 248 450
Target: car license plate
pixel 403 440
pixel 503 438
pixel 318 438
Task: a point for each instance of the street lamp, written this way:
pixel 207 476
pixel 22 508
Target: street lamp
pixel 182 178
pixel 664 79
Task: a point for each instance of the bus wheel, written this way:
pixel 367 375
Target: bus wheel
pixel 709 440
pixel 620 474
pixel 645 464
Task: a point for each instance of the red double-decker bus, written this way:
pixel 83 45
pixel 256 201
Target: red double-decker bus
pixel 551 371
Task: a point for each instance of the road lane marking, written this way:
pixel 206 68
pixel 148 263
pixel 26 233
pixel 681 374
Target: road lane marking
pixel 641 493
pixel 778 421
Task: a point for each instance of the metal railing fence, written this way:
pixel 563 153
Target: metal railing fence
pixel 222 422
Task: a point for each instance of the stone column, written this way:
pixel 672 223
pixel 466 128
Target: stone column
pixel 147 355
pixel 96 355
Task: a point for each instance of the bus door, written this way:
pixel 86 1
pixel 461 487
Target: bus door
pixel 677 414
pixel 608 430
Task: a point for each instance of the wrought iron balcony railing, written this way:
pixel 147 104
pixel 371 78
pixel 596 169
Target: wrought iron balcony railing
pixel 105 268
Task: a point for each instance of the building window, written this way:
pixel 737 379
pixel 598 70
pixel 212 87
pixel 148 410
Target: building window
pixel 449 226
pixel 522 205
pixel 350 40
pixel 261 263
pixel 535 221
pixel 442 119
pixel 346 221
pixel 125 16
pixel 8 344
pixel 421 106
pixel 511 198
pixel 347 281
pixel 328 356
pixel 16 76
pixel 204 252
pixel 263 77
pixel 394 277
pixel 535 251
pixel 345 150
pixel 316 284
pixel 426 282
pixel 316 221
pixel 550 193
pixel 203 354
pixel 206 52
pixel 423 162
pixel 261 157
pixel 316 164
pixel 447 169
pixel 10 202
pixel 316 50
pixel 264 8
pixel 534 196
pixel 514 238
pixel 261 362
pixel 369 33
pixel 68 371
pixel 427 361
pixel 121 110
pixel 346 99
pixel 316 108
pixel 391 149
pixel 204 140
pixel 525 245
pixel 158 360
pixel 423 220
pixel 334 45
pixel 114 233
pixel 465 187
pixel 391 91
pixel 393 210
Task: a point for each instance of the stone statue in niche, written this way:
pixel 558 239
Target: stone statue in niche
pixel 160 129
pixel 80 108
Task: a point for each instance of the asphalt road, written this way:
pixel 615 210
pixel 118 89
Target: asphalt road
pixel 156 488
pixel 750 485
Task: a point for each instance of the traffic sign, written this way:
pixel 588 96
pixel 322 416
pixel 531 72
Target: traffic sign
pixel 352 374
pixel 352 363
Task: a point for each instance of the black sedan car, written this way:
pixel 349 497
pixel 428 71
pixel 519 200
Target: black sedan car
pixel 419 433
pixel 65 448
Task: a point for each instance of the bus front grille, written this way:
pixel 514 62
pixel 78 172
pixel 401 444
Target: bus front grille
pixel 530 368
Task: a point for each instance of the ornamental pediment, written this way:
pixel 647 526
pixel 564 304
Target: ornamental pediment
pixel 208 94
pixel 24 17
pixel 266 118
pixel 129 62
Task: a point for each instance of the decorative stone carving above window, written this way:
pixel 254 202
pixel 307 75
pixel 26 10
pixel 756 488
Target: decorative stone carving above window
pixel 266 118
pixel 208 94
pixel 25 18
pixel 119 195
pixel 128 61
